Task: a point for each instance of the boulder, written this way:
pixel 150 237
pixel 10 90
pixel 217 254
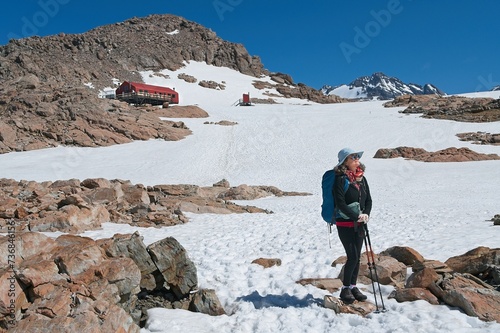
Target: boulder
pixel 411 294
pixel 388 270
pixel 68 286
pixel 331 285
pixel 8 137
pixel 175 266
pixel 438 266
pixel 404 254
pixel 27 244
pixel 475 261
pixel 433 281
pixel 13 298
pixel 267 262
pixel 359 308
pixel 422 279
pixel 132 246
pixel 93 183
pixel 206 301
pixel 101 286
pixel 473 298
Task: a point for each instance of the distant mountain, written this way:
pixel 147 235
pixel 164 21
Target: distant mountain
pixel 379 86
pixel 496 88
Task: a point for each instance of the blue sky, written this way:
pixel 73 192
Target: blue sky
pixel 453 44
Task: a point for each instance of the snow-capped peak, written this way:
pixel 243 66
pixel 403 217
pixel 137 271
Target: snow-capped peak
pixel 379 86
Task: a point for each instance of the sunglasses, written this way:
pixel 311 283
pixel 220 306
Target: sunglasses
pixel 354 157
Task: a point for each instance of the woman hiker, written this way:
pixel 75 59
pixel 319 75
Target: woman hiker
pixel 351 215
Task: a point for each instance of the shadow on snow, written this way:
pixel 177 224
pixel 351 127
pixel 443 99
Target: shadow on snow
pixel 281 301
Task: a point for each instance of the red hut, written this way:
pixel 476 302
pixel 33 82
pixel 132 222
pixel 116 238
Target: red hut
pixel 141 93
pixel 246 100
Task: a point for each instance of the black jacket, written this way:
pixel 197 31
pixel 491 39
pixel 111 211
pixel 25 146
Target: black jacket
pixel 351 195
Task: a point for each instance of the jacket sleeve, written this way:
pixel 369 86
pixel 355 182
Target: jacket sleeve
pixel 340 199
pixel 368 200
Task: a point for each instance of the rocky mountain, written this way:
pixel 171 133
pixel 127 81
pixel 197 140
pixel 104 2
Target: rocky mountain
pixel 379 86
pixel 496 88
pixel 120 50
pixel 48 84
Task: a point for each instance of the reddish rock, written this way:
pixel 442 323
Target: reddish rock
pixel 472 297
pixel 92 183
pixel 178 111
pixel 422 279
pixel 267 262
pixel 329 284
pixel 206 301
pixel 459 108
pixel 389 271
pixel 475 261
pixel 72 206
pixel 411 294
pixel 404 254
pixel 445 155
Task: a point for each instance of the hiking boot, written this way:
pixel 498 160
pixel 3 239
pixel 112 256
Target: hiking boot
pixel 346 296
pixel 358 295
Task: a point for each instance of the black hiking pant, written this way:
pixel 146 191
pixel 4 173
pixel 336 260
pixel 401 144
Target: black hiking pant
pixel 353 244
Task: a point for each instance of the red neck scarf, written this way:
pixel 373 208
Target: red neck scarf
pixel 355 176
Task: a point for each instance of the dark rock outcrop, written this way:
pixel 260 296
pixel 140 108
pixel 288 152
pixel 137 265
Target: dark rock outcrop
pixel 445 155
pixel 288 89
pixel 457 108
pixel 480 138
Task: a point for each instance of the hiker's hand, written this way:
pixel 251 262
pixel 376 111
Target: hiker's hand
pixel 363 218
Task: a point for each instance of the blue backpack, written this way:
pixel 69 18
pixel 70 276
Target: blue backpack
pixel 328 211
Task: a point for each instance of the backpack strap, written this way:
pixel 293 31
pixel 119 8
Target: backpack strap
pixel 346 186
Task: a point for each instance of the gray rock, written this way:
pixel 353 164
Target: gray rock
pixel 175 266
pixel 133 247
pixel 206 301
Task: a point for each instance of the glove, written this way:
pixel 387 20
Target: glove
pixel 363 218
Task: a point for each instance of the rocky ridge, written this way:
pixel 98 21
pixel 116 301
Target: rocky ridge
pixel 120 51
pixel 74 206
pixel 285 86
pixel 39 117
pixel 445 155
pixel 480 138
pixel 457 108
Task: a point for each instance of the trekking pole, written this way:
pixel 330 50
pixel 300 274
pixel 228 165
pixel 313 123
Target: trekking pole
pixel 369 252
pixel 329 231
pixel 370 268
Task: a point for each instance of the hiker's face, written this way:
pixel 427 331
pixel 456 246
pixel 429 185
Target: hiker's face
pixel 352 162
